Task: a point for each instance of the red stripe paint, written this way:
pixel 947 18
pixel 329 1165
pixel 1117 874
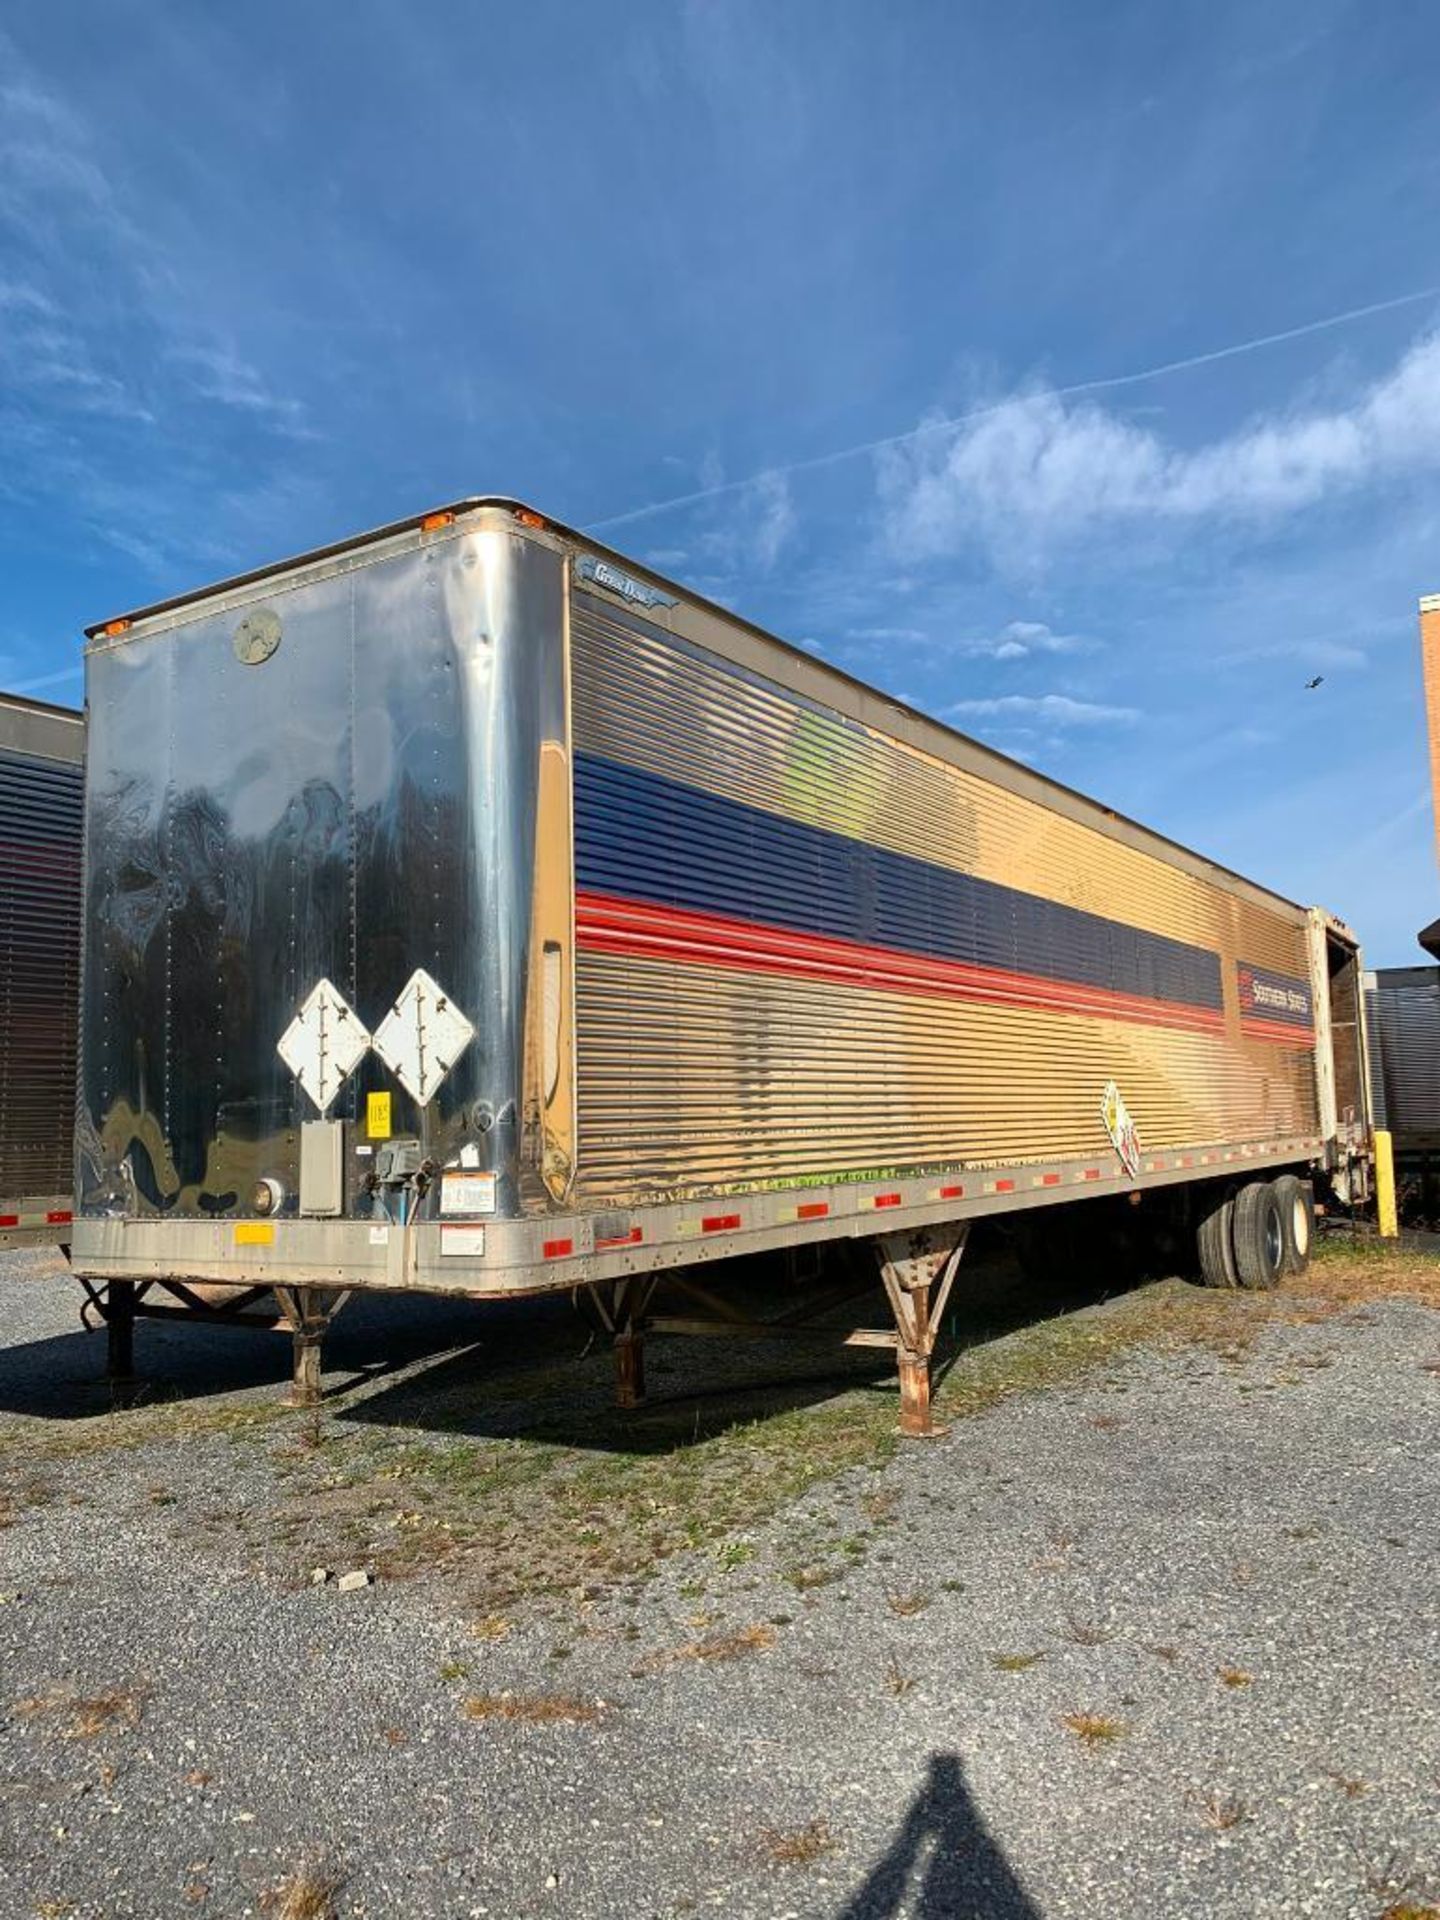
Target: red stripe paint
pixel 813 1210
pixel 1283 1036
pixel 887 1199
pixel 61 1217
pixel 558 1249
pixel 607 925
pixel 720 1223
pixel 631 1239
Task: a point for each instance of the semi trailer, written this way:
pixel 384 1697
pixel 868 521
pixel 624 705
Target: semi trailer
pixel 472 909
pixel 41 754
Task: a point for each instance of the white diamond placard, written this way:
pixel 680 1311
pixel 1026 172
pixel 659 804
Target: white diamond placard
pixel 324 1043
pixel 422 1037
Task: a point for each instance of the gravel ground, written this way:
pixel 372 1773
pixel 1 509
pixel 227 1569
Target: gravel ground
pixel 1160 1642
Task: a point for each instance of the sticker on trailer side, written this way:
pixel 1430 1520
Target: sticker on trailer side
pixel 467 1193
pixel 467 1242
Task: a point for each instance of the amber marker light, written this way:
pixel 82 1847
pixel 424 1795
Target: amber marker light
pixel 114 628
pixel 433 522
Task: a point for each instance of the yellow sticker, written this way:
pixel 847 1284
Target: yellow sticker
pixel 377 1115
pixel 254 1233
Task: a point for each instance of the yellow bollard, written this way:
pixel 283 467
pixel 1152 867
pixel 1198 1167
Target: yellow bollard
pixel 1385 1186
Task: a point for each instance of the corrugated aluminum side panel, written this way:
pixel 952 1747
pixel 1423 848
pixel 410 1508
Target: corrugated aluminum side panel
pixel 1402 1010
pixel 703 1069
pixel 40 829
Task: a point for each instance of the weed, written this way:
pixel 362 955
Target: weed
pixel 1234 1677
pixel 803 1579
pixel 1106 1422
pixel 734 1553
pixel 1085 1633
pixel 454 1670
pixel 88 1716
pixel 1348 1784
pixel 1410 1910
pixel 533 1709
pixel 897 1680
pixel 1162 1652
pixel 1014 1662
pixel 491 1626
pixel 907 1605
pixel 797 1846
pixel 879 1507
pixel 952 1586
pixel 1219 1813
pixel 719 1646
pixel 306 1894
pixel 1093 1729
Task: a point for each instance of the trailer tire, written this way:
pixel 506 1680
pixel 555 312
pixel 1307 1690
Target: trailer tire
pixel 1258 1234
pixel 1215 1244
pixel 1297 1218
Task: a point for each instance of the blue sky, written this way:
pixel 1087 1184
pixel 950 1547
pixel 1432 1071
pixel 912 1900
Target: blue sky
pixel 869 321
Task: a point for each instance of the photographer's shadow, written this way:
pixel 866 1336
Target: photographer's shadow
pixel 963 1873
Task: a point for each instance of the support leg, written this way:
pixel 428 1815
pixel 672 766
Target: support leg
pixel 120 1331
pixel 309 1311
pixel 912 1267
pixel 629 1366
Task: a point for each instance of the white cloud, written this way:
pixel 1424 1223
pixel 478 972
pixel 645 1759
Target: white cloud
pixel 1038 467
pixel 1051 709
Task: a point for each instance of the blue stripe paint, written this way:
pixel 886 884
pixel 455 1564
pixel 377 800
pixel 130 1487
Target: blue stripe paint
pixel 639 836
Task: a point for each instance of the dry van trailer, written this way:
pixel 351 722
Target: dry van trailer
pixel 42 749
pixel 471 909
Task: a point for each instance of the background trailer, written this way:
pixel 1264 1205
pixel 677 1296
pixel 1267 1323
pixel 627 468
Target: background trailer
pixel 470 909
pixel 41 753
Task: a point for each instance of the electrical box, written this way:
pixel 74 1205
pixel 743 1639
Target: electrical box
pixel 322 1166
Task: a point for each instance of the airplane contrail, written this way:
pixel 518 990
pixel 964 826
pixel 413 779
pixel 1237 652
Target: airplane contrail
pixel 950 423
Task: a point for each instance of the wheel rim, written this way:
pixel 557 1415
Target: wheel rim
pixel 1300 1219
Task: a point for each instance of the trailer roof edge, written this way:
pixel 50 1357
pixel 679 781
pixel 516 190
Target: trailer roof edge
pixel 540 521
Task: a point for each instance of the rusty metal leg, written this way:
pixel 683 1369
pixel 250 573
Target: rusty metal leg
pixel 309 1311
pixel 911 1265
pixel 629 1366
pixel 120 1331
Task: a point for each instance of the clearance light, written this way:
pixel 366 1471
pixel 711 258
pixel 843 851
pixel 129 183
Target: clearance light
pixel 114 628
pixel 433 522
pixel 529 519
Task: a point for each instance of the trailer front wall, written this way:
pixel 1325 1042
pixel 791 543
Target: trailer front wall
pixel 808 951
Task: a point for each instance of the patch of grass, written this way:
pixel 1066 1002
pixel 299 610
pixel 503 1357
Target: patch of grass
pixel 454 1670
pixel 734 1553
pixel 307 1893
pixel 1410 1910
pixel 1234 1677
pixel 719 1646
pixel 1015 1662
pixel 86 1716
pixel 797 1846
pixel 907 1605
pixel 1093 1729
pixel 534 1709
pixel 490 1626
pixel 879 1508
pixel 804 1579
